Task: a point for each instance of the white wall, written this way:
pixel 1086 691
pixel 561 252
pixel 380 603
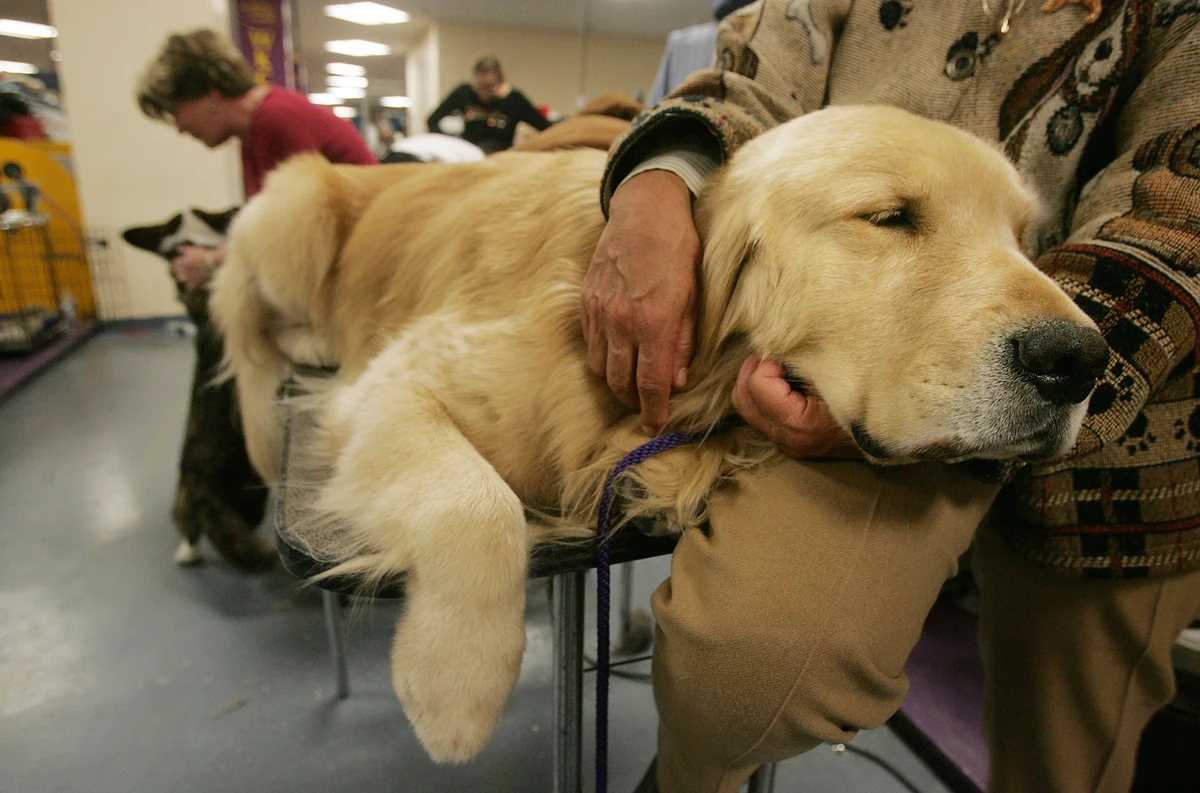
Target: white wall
pixel 133 171
pixel 421 80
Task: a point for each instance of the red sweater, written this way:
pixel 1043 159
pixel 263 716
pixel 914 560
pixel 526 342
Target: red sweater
pixel 286 124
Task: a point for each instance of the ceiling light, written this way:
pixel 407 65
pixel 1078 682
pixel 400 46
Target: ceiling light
pixel 26 30
pixel 345 111
pixel 15 67
pixel 396 101
pixel 348 69
pixel 324 99
pixel 343 81
pixel 347 93
pixel 357 48
pixel 367 14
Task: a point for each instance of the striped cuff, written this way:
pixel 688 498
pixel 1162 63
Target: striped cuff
pixel 694 167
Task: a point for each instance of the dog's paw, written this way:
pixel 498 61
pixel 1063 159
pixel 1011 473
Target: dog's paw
pixel 454 688
pixel 187 555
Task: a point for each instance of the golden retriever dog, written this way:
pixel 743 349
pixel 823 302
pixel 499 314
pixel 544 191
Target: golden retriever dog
pixel 876 254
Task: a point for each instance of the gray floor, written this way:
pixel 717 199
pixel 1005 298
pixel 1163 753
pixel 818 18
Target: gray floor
pixel 121 672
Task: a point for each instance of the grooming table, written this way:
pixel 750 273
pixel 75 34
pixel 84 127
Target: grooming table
pixel 566 564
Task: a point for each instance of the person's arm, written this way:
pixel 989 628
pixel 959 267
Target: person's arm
pixel 523 110
pixel 456 100
pixel 1131 256
pixel 639 296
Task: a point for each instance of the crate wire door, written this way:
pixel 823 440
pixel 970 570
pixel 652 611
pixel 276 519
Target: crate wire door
pixel 33 306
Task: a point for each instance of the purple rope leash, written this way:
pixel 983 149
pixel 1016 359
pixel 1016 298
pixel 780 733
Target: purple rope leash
pixel 603 528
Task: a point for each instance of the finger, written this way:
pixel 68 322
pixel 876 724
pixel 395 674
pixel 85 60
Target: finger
pixel 654 377
pixel 773 396
pixel 741 400
pixel 585 318
pixel 597 348
pixel 685 345
pixel 620 371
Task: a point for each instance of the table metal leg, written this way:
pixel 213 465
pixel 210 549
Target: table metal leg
pixel 336 629
pixel 567 613
pixel 763 780
pixel 626 598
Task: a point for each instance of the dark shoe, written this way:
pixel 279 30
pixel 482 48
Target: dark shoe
pixel 649 783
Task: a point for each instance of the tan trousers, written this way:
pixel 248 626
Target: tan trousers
pixel 1074 668
pixel 790 624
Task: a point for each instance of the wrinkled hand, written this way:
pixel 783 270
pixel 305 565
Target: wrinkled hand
pixel 190 266
pixel 799 424
pixel 639 294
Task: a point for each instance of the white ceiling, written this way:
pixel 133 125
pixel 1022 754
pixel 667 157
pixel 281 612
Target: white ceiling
pixel 650 18
pixel 35 51
pixel 645 18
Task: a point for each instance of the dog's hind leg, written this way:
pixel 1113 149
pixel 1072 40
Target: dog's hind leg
pixel 419 497
pixel 190 529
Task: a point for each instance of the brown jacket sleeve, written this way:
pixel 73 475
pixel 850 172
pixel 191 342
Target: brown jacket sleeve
pixel 744 94
pixel 1130 260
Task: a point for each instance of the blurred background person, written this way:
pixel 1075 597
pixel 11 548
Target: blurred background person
pixel 490 109
pixel 203 86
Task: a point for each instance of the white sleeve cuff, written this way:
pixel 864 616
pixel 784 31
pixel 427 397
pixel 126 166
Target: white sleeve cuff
pixel 692 166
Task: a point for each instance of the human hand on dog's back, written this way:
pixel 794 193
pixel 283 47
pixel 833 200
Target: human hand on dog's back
pixel 639 294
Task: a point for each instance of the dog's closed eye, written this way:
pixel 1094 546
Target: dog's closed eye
pixel 900 218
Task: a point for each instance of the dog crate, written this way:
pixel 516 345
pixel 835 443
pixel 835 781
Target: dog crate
pixel 45 283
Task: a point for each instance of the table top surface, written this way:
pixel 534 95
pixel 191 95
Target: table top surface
pixel 299 545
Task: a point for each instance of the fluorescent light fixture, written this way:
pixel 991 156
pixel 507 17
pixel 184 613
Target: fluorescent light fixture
pixel 26 30
pixel 324 99
pixel 348 69
pixel 367 13
pixel 357 48
pixel 345 111
pixel 347 93
pixel 342 81
pixel 396 101
pixel 16 67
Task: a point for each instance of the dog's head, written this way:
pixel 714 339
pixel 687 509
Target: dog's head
pixel 193 227
pixel 879 256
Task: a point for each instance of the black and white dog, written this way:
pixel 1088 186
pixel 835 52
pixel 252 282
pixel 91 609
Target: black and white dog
pixel 219 495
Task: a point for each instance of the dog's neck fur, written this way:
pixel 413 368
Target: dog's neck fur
pixel 720 347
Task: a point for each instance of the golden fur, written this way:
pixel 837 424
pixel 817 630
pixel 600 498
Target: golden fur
pixel 448 295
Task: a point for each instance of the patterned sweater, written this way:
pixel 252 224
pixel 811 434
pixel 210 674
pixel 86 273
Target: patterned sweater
pixel 1103 120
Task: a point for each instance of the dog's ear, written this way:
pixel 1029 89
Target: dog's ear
pixel 217 221
pixel 148 238
pixel 724 219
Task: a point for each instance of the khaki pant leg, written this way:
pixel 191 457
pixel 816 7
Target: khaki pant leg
pixel 1075 669
pixel 790 624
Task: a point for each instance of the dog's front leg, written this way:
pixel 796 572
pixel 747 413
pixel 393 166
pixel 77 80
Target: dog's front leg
pixel 421 499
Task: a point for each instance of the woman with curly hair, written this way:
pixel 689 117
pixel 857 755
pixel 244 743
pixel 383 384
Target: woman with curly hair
pixel 203 86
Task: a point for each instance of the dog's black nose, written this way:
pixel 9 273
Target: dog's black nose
pixel 1062 360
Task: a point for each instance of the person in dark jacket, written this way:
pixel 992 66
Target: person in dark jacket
pixel 490 108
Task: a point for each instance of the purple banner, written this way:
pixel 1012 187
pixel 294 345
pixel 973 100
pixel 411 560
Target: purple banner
pixel 263 31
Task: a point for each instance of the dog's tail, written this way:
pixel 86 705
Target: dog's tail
pixel 281 248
